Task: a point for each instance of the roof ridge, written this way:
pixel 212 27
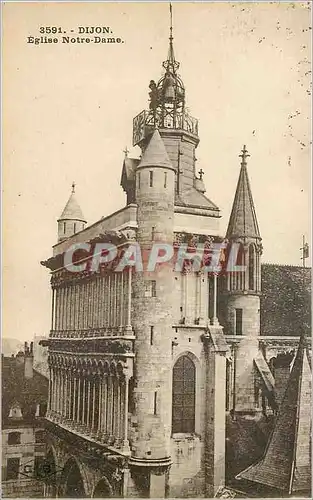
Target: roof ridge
pixel 285 265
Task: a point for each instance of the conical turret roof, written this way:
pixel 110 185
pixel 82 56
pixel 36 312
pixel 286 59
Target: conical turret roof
pixel 243 221
pixel 286 463
pixel 72 210
pixel 155 154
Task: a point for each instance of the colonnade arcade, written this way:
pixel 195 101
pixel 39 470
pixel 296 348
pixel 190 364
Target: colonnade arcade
pixel 90 396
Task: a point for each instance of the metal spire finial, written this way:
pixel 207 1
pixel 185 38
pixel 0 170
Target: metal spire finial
pixel 171 64
pixel 244 155
pixel 171 23
pixel 73 187
pixel 126 151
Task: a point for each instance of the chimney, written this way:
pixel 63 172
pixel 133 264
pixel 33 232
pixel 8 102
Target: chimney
pixel 28 360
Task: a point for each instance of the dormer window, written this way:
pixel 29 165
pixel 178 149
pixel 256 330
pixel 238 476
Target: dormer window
pixel 15 411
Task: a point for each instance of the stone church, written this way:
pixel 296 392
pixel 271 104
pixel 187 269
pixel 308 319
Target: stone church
pixel 168 383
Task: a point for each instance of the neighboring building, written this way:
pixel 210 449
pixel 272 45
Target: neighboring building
pixel 144 367
pixel 40 356
pixel 24 404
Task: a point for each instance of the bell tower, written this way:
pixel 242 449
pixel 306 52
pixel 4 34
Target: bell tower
pixel 177 128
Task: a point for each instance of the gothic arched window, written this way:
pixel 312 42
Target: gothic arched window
pixel 184 389
pixel 251 267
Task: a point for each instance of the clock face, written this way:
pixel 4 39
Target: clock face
pixel 138 128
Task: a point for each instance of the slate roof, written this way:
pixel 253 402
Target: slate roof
pixel 286 463
pixel 285 300
pixel 243 221
pixel 72 210
pixel 129 169
pixel 194 198
pixel 16 389
pixel 155 154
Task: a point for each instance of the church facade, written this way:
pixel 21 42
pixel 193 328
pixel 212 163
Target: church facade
pixel 146 367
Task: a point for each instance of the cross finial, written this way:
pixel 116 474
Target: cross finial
pixel 73 187
pixel 126 151
pixel 244 155
pixel 201 173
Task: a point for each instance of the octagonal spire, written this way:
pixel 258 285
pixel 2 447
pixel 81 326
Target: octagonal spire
pixel 243 221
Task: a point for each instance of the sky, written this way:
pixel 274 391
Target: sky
pixel 68 113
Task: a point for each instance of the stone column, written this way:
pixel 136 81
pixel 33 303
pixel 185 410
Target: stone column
pixel 78 398
pixel 93 406
pixel 57 309
pixel 88 404
pixel 69 395
pixel 49 391
pixel 92 303
pixel 186 298
pixel 121 301
pixel 64 306
pixel 61 392
pixel 74 322
pixel 125 414
pixel 129 298
pixel 105 403
pixel 84 400
pixel 59 318
pixel 109 294
pixel 117 409
pixel 110 406
pixel 214 445
pixel 81 304
pixel 202 310
pixel 52 309
pixel 74 396
pixel 53 389
pixel 116 297
pixel 100 412
pixel 215 321
pixel 104 313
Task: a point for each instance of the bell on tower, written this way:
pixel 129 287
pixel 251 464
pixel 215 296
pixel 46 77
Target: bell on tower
pixel 166 101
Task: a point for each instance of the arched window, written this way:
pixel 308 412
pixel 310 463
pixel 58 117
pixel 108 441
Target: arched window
pixel 184 388
pixel 251 267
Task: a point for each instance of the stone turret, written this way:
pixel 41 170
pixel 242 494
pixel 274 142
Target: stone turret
pixel 72 219
pixel 152 318
pixel 242 289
